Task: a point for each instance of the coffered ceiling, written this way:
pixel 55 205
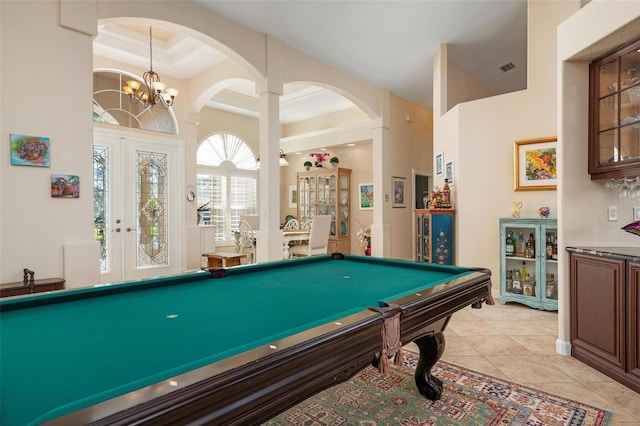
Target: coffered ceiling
pixel 389 43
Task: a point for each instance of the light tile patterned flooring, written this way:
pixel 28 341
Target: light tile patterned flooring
pixel 517 343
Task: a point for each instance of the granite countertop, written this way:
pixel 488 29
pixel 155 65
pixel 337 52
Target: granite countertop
pixel 625 253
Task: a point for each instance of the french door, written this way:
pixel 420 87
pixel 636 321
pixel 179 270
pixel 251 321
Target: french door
pixel 136 208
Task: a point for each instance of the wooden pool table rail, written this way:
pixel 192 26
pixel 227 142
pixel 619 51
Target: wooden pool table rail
pixel 256 385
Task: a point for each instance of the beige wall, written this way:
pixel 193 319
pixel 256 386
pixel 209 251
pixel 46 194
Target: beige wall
pixel 35 99
pixel 462 87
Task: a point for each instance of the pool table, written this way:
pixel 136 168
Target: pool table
pixel 234 346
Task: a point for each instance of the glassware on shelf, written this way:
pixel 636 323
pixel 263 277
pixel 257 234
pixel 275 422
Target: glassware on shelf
pixel 626 187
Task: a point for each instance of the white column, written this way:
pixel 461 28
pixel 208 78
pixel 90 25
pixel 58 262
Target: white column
pixel 269 90
pixel 381 228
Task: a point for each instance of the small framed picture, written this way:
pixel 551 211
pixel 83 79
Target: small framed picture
pixel 366 196
pixel 535 164
pixel 65 186
pixel 439 164
pixel 448 172
pixel 293 196
pixel 397 185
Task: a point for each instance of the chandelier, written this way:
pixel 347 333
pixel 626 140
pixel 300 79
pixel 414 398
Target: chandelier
pixel 154 92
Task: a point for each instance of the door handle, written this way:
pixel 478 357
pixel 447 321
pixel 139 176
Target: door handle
pixel 130 229
pixel 117 229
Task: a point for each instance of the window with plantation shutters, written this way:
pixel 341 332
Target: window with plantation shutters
pixel 227 185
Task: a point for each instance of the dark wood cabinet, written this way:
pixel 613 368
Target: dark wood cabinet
pixel 633 320
pixel 604 314
pixel 39 286
pixel 614 114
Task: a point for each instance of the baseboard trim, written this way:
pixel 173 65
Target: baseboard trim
pixel 563 347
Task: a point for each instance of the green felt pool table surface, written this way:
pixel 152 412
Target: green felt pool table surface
pixel 63 351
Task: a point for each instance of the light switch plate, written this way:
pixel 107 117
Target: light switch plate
pixel 636 214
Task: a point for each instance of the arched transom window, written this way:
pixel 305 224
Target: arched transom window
pixel 112 106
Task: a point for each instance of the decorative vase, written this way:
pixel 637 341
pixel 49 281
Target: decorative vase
pixel 544 212
pixel 334 164
pixel 516 208
pixel 367 250
pixel 307 167
pixel 425 201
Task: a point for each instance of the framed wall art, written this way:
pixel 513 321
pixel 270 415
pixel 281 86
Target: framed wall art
pixel 535 164
pixel 366 196
pixel 398 188
pixel 293 196
pixel 65 186
pixel 29 150
pixel 439 164
pixel 448 172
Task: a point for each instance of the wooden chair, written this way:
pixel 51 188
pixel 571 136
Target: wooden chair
pixel 306 225
pixel 247 241
pixel 318 239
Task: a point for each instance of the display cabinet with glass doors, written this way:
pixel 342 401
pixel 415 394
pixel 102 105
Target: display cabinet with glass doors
pixel 614 114
pixel 434 236
pixel 325 191
pixel 529 262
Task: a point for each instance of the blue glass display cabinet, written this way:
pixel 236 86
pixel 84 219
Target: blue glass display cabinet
pixel 539 263
pixel 434 235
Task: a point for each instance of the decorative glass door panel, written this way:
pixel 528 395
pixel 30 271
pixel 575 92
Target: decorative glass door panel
pixel 152 200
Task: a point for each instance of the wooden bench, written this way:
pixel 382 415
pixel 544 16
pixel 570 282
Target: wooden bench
pixel 223 259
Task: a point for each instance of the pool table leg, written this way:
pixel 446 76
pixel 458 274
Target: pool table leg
pixel 431 349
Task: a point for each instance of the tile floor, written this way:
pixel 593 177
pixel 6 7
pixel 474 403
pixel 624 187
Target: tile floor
pixel 517 343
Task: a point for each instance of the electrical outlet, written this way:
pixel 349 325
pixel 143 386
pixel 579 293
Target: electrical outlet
pixel 613 213
pixel 636 213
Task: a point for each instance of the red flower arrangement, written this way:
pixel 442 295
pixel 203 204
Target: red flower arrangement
pixel 320 157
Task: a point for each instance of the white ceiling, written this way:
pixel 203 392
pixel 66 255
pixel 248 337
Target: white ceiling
pixel 389 43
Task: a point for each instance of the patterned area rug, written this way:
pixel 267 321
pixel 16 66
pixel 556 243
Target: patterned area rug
pixel 469 398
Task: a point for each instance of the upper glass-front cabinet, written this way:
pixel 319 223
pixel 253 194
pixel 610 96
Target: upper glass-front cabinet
pixel 614 116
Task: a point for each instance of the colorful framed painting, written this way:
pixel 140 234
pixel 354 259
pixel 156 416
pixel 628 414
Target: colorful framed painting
pixel 535 164
pixel 29 150
pixel 366 196
pixel 439 164
pixel 65 186
pixel 397 185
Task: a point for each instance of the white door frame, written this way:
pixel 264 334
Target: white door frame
pixel 121 168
